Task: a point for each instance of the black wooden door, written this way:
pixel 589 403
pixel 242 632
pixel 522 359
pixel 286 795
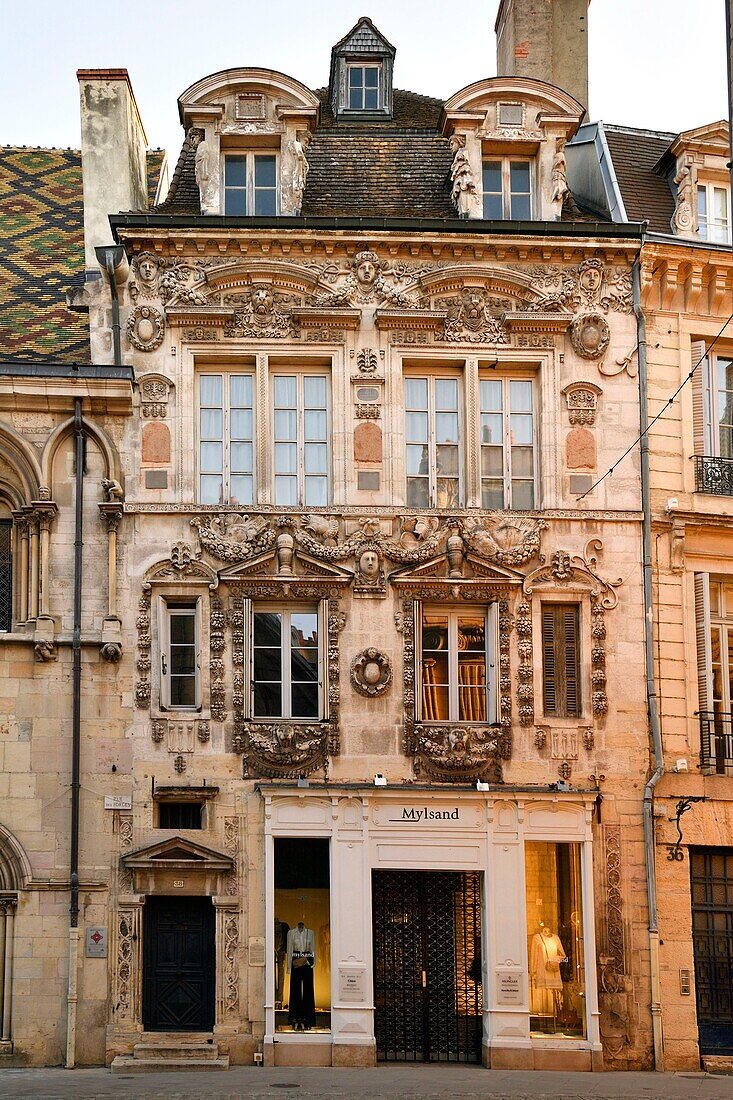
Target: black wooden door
pixel 427 966
pixel 178 964
pixel 711 871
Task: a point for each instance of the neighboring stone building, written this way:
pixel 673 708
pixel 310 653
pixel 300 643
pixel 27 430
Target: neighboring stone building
pixel 362 644
pixel 680 185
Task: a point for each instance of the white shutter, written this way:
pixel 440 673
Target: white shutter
pixel 323 662
pixel 702 634
pixel 164 653
pixel 417 642
pixel 197 643
pixel 702 442
pixel 248 664
pixel 492 638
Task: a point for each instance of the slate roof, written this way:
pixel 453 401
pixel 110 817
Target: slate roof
pixel 646 196
pixel 42 251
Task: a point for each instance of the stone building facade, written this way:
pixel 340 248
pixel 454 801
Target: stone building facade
pixel 362 642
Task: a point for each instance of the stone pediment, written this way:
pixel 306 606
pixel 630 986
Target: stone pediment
pixel 302 570
pixel 471 572
pixel 180 853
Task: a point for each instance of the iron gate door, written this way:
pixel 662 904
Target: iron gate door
pixel 178 964
pixel 711 871
pixel 427 965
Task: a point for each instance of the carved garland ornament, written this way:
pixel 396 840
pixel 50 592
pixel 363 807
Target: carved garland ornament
pixel 590 335
pixel 371 672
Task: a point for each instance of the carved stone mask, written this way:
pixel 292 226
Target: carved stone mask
pixel 590 279
pixel 369 564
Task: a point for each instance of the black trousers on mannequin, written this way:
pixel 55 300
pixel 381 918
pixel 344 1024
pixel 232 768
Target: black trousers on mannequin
pixel 302 1008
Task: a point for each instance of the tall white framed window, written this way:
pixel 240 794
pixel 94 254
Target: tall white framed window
pixel 301 438
pixel 714 635
pixel 508 442
pixel 287 662
pixel 718 382
pixel 714 212
pixel 180 658
pixel 226 438
pixel 250 184
pixel 363 87
pixel 507 188
pixel 433 458
pixel 457 656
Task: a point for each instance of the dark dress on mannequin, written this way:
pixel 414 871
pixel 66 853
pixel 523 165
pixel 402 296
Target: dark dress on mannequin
pixel 302 1006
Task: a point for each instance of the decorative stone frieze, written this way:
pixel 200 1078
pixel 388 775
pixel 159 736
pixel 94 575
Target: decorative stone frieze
pixel 582 402
pixel 154 393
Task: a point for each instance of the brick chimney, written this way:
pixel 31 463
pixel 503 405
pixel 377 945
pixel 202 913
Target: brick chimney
pixel 545 40
pixel 113 153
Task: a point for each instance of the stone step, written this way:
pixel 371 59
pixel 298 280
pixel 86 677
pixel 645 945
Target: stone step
pixel 127 1063
pixel 718 1063
pixel 172 1048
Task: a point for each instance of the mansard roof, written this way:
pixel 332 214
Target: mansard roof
pixel 646 196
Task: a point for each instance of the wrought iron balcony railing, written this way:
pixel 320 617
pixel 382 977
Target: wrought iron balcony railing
pixel 716 742
pixel 714 475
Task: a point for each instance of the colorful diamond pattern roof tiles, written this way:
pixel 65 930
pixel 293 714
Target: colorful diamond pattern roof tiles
pixel 41 249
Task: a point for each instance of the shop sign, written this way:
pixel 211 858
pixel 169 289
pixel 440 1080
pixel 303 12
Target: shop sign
pixel 509 987
pixel 351 985
pixel 395 814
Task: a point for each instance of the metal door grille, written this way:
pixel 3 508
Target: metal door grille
pixel 6 574
pixel 711 872
pixel 427 965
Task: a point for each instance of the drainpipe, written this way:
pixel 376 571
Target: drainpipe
pixel 651 689
pixel 75 742
pixel 113 260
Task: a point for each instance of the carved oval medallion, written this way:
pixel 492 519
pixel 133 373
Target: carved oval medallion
pixel 590 335
pixel 371 672
pixel 145 328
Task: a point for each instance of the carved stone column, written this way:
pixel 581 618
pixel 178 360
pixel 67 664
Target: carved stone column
pixel 34 565
pixel 45 511
pixel 111 513
pixel 227 960
pixel 7 921
pixel 21 527
pixel 127 971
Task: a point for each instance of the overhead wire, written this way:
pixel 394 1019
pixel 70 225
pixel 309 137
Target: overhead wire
pixel 659 415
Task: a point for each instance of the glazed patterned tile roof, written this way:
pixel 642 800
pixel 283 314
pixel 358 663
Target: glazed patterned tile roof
pixel 41 250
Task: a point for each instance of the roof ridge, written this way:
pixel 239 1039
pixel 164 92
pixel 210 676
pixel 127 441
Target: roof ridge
pixel 616 128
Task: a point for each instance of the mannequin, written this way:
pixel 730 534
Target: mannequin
pixel 301 958
pixel 545 955
pixel 281 947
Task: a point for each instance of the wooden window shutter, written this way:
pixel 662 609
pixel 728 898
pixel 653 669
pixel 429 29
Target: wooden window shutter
pixel 561 660
pixel 702 444
pixel 704 648
pixel 323 663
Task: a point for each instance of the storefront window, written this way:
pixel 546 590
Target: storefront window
pixel 302 935
pixel 555 930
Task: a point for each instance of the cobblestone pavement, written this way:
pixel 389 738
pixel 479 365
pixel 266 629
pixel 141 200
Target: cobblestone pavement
pixel 393 1083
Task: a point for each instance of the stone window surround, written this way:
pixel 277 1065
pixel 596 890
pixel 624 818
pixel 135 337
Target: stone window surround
pixel 250 153
pixel 505 158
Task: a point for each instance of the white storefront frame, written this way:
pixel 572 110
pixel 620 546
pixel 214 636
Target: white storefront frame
pixel 368 830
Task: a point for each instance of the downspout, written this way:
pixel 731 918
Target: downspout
pixel 72 995
pixel 651 688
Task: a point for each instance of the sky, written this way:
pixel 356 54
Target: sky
pixel 653 63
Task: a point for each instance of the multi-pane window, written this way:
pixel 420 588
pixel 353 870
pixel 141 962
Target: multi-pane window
pixel 226 439
pixel 432 442
pixel 456 656
pixel 250 184
pixel 507 189
pixel 507 443
pixel 6 574
pixel 363 87
pixel 179 657
pixel 561 660
pixel 301 433
pixel 286 664
pixel 719 418
pixel 713 212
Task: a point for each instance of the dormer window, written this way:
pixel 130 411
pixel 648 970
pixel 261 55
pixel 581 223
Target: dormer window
pixel 360 84
pixel 713 212
pixel 507 188
pixel 250 184
pixel 363 81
